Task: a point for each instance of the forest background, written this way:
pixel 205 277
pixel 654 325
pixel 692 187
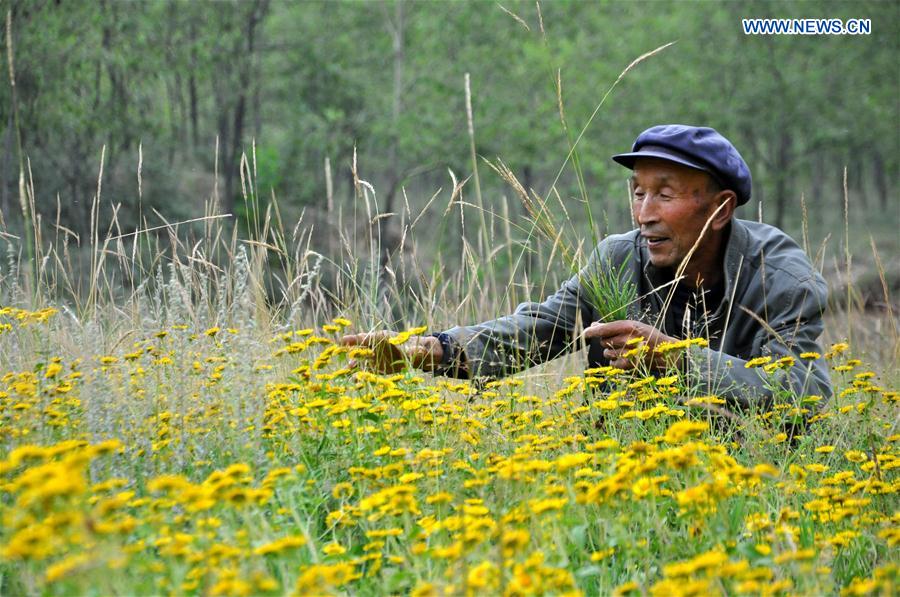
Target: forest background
pixel 127 118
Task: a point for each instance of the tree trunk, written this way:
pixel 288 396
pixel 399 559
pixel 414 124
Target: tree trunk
pixel 119 91
pixel 818 171
pixel 880 179
pixel 226 200
pixel 237 133
pixel 784 170
pixel 389 238
pixel 232 167
pixel 181 122
pixel 5 178
pixel 192 86
pixel 173 123
pixel 856 180
pixel 839 171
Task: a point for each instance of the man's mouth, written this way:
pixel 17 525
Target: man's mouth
pixel 654 241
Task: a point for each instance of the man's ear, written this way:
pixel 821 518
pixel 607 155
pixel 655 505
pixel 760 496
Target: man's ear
pixel 725 202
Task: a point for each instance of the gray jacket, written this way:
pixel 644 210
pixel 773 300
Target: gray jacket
pixel 766 273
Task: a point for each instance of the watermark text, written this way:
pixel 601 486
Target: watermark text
pixel 806 26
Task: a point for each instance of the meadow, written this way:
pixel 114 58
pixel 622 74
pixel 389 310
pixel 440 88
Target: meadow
pixel 178 416
pixel 192 437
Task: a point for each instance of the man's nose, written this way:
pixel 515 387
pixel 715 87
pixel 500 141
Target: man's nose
pixel 645 211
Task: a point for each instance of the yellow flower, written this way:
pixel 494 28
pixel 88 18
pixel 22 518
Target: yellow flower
pixel 786 362
pixel 451 552
pixel 643 487
pixel 32 542
pixel 342 490
pixel 680 430
pixel 439 498
pixel 567 462
pixel 382 533
pixel 860 587
pixel 334 549
pixel 793 556
pixel 624 589
pixel 314 579
pixel 891 535
pixel 538 506
pixel 758 361
pixel 404 336
pixel 280 545
pixel 399 338
pixel 514 540
pixel 704 400
pixel 707 560
pixel 424 589
pixel 635 352
pixel 843 538
pixel 668 587
pixel 50 480
pixel 53 370
pixel 483 576
pixel 839 347
pixel 232 586
pixel 65 566
pixel 855 456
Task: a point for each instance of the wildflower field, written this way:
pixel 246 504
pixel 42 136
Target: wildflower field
pixel 190 232
pixel 163 458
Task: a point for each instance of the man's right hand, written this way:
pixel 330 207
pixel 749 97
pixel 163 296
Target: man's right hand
pixel 420 352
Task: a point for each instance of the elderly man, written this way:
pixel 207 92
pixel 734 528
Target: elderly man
pixel 746 287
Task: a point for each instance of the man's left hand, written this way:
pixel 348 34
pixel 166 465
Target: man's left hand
pixel 615 337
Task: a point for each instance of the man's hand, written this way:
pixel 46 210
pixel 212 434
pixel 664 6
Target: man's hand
pixel 420 352
pixel 618 338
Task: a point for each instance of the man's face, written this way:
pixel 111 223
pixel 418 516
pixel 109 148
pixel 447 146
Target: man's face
pixel 671 203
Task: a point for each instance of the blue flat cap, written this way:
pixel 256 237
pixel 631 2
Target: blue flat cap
pixel 696 147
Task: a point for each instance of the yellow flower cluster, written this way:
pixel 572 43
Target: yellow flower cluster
pixel 207 460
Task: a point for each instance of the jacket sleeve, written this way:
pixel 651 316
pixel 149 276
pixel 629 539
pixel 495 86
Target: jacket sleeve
pixel 532 334
pixel 793 329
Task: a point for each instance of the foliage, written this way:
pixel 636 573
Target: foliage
pixel 321 80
